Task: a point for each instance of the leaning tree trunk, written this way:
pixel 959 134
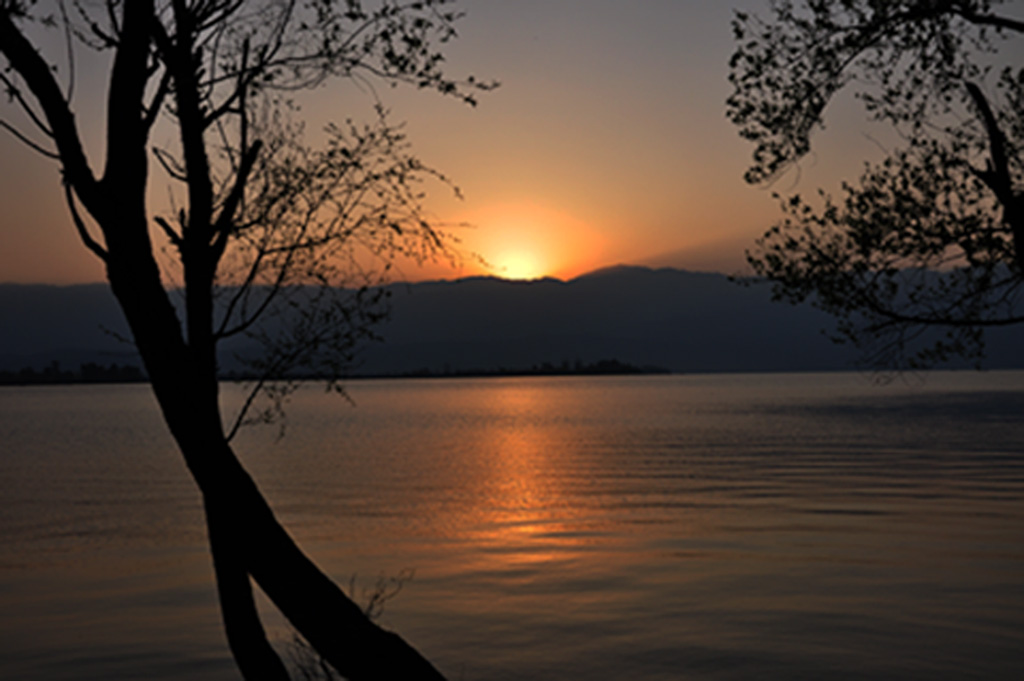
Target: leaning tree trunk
pixel 318 609
pixel 246 538
pixel 255 657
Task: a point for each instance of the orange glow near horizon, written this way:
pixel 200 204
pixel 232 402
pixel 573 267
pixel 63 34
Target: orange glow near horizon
pixel 524 240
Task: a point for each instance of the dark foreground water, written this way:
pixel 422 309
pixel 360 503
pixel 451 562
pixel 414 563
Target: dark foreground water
pixel 694 527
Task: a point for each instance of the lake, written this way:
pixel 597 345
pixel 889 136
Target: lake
pixel 797 526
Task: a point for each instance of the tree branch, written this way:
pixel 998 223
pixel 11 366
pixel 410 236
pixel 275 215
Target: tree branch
pixel 24 139
pixel 40 80
pixel 182 62
pixel 170 164
pixel 14 93
pixel 998 176
pixel 169 231
pixel 223 224
pixel 126 128
pixel 990 20
pixel 70 48
pixel 153 110
pixel 83 232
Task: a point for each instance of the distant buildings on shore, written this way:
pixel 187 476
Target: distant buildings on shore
pixel 90 372
pixel 604 367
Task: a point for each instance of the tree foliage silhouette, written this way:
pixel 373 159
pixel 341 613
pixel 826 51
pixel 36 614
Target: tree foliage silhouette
pixel 261 225
pixel 926 250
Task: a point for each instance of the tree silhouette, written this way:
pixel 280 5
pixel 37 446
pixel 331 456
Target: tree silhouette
pixel 926 251
pixel 261 224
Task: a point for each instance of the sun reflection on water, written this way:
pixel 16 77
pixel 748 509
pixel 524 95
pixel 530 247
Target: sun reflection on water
pixel 523 514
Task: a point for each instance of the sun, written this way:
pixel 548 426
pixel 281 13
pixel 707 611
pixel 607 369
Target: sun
pixel 518 265
pixel 525 240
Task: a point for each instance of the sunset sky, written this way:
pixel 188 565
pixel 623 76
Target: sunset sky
pixel 606 143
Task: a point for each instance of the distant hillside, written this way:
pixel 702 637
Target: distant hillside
pixel 683 321
pixel 73 325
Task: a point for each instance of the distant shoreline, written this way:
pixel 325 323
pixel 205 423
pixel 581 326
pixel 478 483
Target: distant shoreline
pixel 605 367
pixel 602 368
pixel 92 374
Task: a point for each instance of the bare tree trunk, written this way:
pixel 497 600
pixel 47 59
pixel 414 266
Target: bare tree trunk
pixel 254 655
pixel 244 534
pixel 318 609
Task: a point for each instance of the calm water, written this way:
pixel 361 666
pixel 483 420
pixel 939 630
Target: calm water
pixel 695 527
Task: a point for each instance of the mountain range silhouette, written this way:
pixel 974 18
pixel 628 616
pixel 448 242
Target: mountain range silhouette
pixel 675 319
